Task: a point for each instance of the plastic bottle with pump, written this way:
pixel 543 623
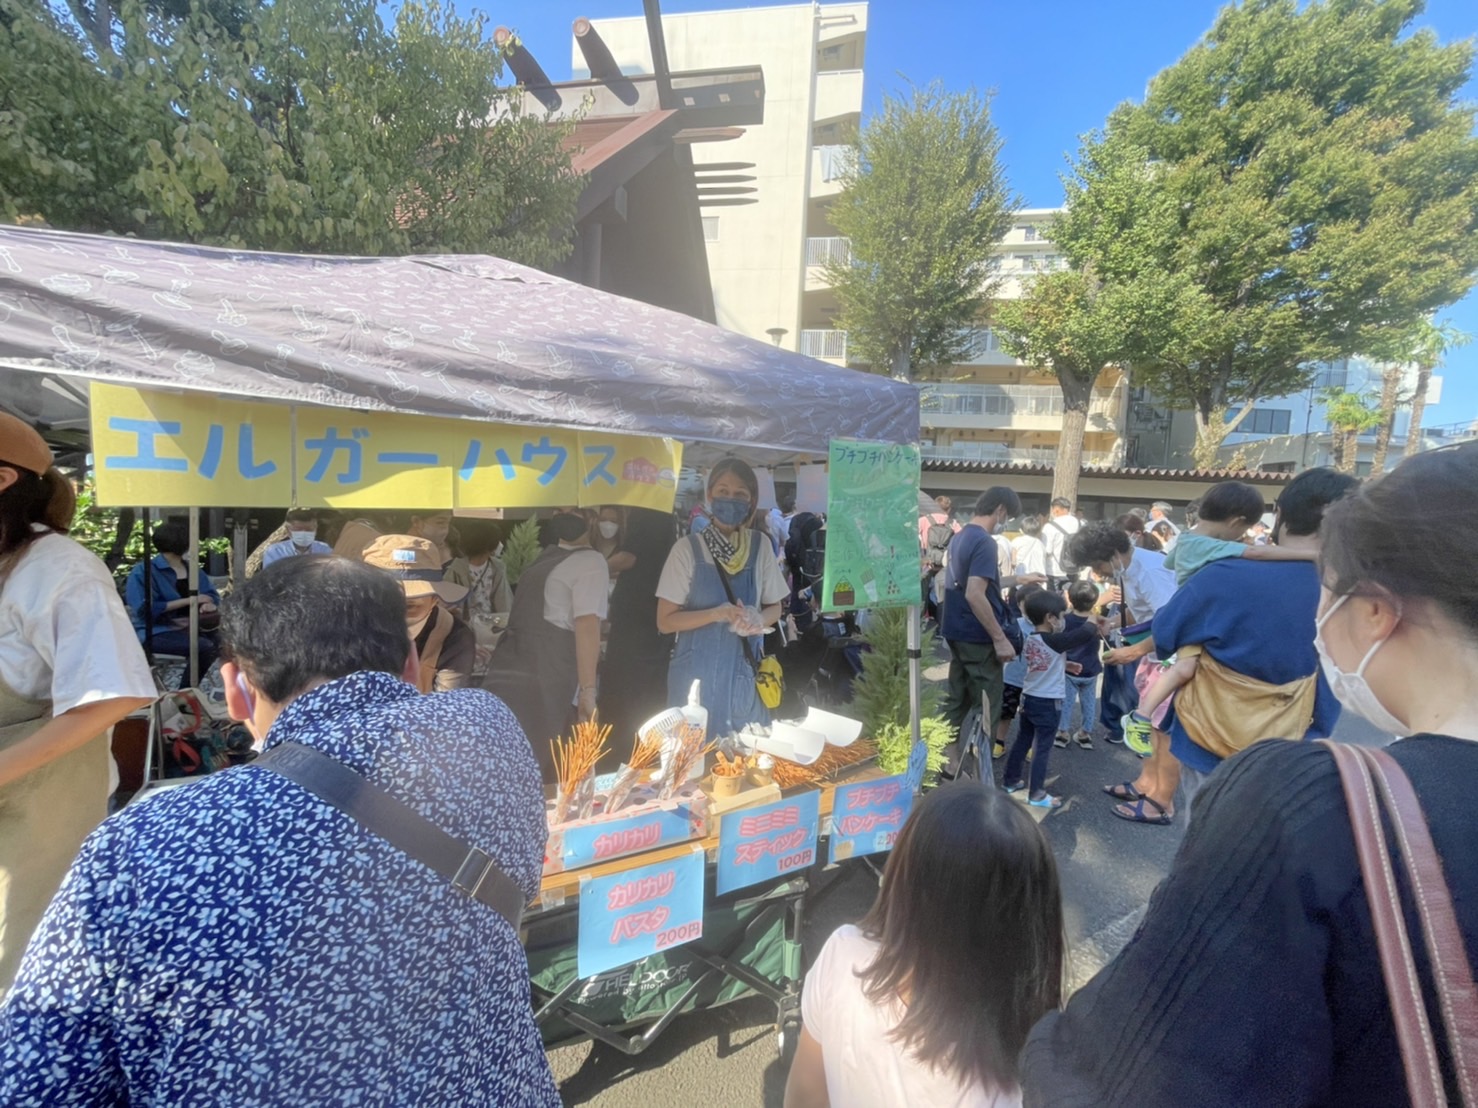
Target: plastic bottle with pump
pixel 695 715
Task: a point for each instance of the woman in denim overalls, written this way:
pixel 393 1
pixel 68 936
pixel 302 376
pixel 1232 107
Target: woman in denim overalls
pixel 712 632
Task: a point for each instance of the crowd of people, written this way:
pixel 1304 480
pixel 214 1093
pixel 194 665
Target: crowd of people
pixel 247 938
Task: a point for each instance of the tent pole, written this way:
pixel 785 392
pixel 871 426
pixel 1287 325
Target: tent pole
pixel 915 671
pixel 193 584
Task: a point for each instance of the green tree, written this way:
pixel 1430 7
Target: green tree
pixel 1311 183
pixel 1429 343
pixel 923 205
pixel 309 127
pixel 1350 414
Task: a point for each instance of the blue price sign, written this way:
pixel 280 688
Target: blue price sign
pixel 758 844
pixel 867 816
pixel 627 916
pixel 599 842
pixel 918 759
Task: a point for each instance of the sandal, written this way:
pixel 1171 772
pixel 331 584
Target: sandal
pixel 1163 819
pixel 1125 792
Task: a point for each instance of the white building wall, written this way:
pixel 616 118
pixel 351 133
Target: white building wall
pixel 757 263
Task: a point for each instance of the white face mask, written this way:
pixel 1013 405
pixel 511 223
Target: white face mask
pixel 303 539
pixel 608 528
pixel 1351 689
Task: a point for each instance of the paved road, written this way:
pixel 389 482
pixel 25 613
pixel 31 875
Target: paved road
pixel 1109 868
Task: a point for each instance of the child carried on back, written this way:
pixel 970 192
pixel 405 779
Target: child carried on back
pixel 1227 511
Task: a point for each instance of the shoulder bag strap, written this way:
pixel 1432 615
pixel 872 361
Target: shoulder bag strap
pixel 468 869
pixel 1367 777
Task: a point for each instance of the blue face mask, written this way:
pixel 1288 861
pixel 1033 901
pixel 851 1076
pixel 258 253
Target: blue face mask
pixel 729 510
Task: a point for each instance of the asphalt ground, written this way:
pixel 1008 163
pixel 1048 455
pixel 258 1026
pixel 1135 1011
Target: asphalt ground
pixel 729 1055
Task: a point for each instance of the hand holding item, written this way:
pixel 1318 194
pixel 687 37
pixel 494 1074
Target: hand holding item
pixel 749 622
pixel 1005 652
pixel 1122 656
pixel 585 703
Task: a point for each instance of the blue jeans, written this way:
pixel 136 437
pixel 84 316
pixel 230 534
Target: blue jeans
pixel 1036 727
pixel 1082 691
pixel 1119 698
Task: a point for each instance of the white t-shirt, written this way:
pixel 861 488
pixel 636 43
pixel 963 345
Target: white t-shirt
pixel 577 587
pixel 64 634
pixel 1055 535
pixel 863 1066
pixel 1005 559
pixel 1148 585
pixel 677 574
pixel 1029 554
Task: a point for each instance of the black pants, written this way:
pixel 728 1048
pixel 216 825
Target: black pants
pixel 1035 731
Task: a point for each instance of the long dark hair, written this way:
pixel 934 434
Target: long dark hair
pixel 969 927
pixel 1391 538
pixel 44 498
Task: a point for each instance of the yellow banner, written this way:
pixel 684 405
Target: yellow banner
pixel 349 459
pixel 193 449
pixel 171 449
pixel 626 469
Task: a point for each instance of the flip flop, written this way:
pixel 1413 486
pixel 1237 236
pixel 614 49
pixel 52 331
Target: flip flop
pixel 1125 792
pixel 1162 820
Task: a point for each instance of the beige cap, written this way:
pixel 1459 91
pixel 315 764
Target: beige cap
pixel 416 563
pixel 22 445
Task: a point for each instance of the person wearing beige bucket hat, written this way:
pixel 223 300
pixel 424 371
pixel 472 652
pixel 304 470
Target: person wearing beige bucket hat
pixel 70 668
pixel 445 644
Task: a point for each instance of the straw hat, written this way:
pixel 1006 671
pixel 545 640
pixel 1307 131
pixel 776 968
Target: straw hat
pixel 21 445
pixel 414 561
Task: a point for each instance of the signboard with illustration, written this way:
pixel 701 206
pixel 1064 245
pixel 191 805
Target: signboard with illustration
pixel 162 448
pixel 872 512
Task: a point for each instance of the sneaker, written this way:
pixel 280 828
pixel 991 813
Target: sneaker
pixel 1061 741
pixel 1114 740
pixel 1084 740
pixel 997 751
pixel 1016 788
pixel 1046 801
pixel 1137 734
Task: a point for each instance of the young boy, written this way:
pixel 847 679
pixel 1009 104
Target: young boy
pixel 1042 693
pixel 1227 512
pixel 1084 664
pixel 1014 677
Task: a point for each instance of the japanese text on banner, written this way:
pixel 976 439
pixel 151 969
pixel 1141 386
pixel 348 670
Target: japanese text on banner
pixel 867 816
pixel 759 844
pixel 872 545
pixel 164 448
pixel 196 449
pixel 629 915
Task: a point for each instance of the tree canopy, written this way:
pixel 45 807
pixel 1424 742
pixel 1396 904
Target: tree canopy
pixel 1310 186
pixel 923 205
pixel 308 127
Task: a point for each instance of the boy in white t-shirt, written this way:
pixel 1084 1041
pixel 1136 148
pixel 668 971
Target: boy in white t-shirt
pixel 1042 692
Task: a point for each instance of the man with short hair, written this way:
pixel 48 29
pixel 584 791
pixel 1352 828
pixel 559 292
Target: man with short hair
pixel 1059 529
pixel 302 538
pixel 936 530
pixel 1255 622
pixel 1160 513
pixel 435 527
pixel 1145 586
pixel 975 619
pixel 241 941
pixel 446 647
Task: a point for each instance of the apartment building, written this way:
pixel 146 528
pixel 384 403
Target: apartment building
pixel 992 407
pixel 765 192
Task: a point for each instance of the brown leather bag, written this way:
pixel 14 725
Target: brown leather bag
pixel 1226 711
pixel 1373 780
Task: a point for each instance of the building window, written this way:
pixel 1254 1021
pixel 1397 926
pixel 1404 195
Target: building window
pixel 710 228
pixel 1028 232
pixel 1026 262
pixel 1265 421
pixel 1333 375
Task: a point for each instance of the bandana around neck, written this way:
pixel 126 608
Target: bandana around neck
pixel 732 555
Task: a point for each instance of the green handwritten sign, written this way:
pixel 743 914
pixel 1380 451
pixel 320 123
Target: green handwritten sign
pixel 872 526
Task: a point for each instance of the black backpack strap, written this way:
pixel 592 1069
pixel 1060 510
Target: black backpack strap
pixel 468 869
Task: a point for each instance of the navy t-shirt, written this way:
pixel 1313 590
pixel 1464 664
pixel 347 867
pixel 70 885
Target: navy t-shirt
pixel 972 553
pixel 1253 617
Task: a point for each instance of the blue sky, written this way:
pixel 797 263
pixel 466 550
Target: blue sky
pixel 1057 68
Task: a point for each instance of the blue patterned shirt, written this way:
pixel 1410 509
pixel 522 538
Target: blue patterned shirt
pixel 238 941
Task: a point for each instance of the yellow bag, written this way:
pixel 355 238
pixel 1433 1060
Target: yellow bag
pixel 1225 711
pixel 769 680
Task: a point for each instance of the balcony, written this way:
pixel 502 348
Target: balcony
pixel 1011 455
pixel 838 94
pixel 829 164
pixel 821 252
pixel 1013 407
pixel 828 345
